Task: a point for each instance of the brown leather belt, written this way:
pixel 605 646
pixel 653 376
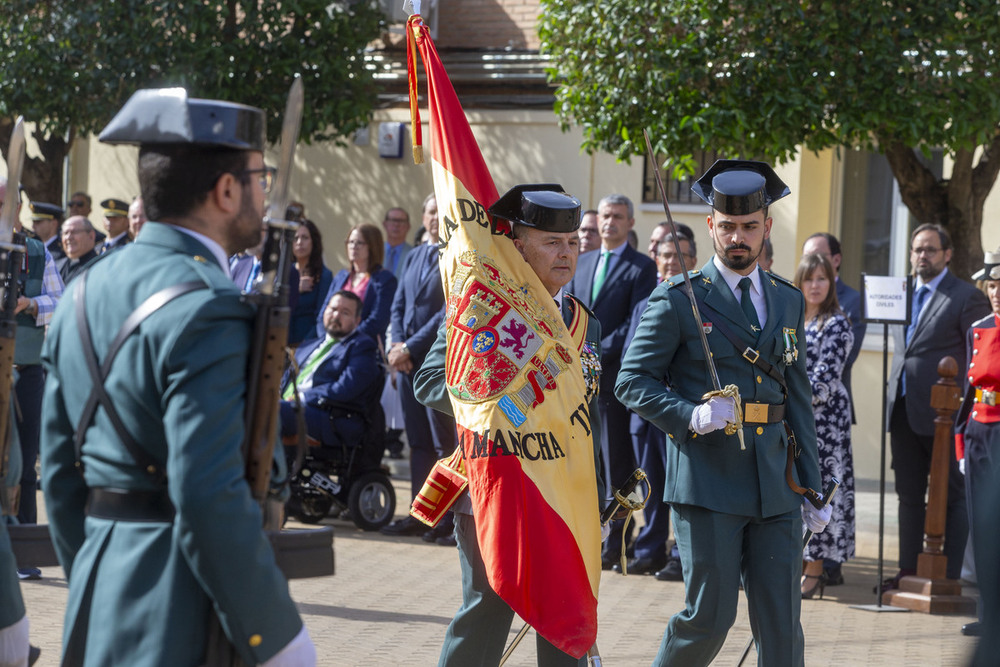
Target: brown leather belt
pixel 986 396
pixel 763 413
pixel 130 505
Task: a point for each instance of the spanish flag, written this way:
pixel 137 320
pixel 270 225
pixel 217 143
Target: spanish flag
pixel 516 385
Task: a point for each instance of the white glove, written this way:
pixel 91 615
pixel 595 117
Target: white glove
pixel 300 652
pixel 814 519
pixel 713 414
pixel 961 465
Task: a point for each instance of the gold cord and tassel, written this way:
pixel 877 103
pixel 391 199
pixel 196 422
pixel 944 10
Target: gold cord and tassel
pixel 732 391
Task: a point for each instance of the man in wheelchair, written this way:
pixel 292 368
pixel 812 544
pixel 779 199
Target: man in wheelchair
pixel 338 379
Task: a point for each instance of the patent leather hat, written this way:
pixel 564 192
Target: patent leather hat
pixel 991 267
pixel 160 116
pixel 543 206
pixel 740 187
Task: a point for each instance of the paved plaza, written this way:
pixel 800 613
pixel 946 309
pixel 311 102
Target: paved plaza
pixel 392 598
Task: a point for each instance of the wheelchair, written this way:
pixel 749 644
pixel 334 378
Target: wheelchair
pixel 346 475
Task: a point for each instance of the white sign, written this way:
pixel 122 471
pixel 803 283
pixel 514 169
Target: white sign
pixel 886 299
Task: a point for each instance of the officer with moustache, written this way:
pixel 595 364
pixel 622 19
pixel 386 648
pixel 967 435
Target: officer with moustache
pixel 735 517
pixel 544 222
pixel 150 513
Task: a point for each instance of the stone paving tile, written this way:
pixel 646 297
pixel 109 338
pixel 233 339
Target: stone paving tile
pixel 392 598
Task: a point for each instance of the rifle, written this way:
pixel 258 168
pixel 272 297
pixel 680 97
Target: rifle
pixel 11 256
pixel 267 351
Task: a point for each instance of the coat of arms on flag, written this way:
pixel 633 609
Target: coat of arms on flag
pixel 514 377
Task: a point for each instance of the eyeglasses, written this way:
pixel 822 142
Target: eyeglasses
pixel 930 252
pixel 266 178
pixel 357 242
pixel 76 204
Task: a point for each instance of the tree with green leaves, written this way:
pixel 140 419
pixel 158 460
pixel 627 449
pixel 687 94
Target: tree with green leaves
pixel 69 65
pixel 769 79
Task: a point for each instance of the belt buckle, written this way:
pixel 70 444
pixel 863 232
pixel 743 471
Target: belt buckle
pixel 755 413
pixel 988 397
pixel 747 355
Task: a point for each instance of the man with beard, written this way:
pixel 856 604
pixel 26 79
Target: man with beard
pixel 150 514
pixel 735 517
pixel 943 309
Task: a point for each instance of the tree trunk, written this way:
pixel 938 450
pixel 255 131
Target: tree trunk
pixel 955 203
pixel 42 177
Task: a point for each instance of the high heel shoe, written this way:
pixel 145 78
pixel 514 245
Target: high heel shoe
pixel 808 593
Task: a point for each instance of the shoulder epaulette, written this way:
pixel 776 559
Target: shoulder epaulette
pixel 674 281
pixel 775 278
pixel 579 304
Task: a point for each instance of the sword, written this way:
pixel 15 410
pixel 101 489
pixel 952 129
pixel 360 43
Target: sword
pixel 717 390
pixel 10 266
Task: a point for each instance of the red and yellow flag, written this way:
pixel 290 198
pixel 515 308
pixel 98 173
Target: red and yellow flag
pixel 513 372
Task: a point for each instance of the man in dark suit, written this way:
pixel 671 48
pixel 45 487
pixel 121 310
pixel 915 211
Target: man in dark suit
pixel 417 312
pixel 944 308
pixel 611 281
pixel 341 368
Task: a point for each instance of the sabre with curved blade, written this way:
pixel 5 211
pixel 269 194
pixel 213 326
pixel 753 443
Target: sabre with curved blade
pixel 717 389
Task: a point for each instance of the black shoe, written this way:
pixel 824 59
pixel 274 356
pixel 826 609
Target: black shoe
pixel 405 526
pixel 438 531
pixel 447 540
pixel 892 582
pixel 834 575
pixel 672 571
pixel 642 565
pixel 974 629
pixel 811 583
pixel 33 653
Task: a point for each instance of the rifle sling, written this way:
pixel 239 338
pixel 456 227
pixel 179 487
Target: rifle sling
pixel 98 374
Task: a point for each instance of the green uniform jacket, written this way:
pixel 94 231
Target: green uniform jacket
pixel 709 470
pixel 142 593
pixel 429 380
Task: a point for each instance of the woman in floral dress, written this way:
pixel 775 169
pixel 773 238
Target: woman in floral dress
pixel 828 342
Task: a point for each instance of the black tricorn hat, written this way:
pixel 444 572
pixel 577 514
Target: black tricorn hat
pixel 44 211
pixel 544 206
pixel 991 267
pixel 168 116
pixel 740 187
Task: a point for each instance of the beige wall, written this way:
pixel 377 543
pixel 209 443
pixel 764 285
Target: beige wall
pixel 342 186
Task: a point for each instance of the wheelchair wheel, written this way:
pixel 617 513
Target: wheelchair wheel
pixel 310 507
pixel 372 501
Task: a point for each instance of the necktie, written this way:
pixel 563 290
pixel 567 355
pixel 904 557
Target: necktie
pixel 747 305
pixel 919 299
pixel 394 258
pixel 105 247
pixel 254 272
pixel 307 371
pixel 602 273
